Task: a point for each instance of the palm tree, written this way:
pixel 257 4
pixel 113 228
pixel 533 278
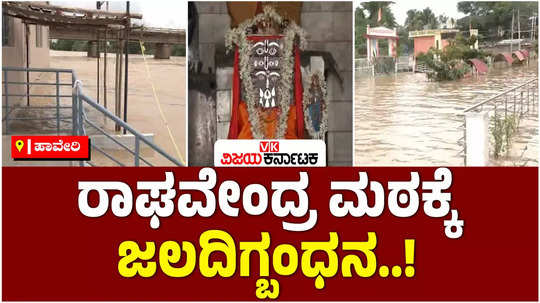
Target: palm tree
pixel 418 20
pixel 443 20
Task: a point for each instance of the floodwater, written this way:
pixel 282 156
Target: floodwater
pixel 405 120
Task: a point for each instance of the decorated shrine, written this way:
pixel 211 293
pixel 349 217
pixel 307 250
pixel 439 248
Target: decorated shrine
pixel 268 98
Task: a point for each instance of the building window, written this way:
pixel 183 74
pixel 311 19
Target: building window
pixel 6 30
pixel 39 36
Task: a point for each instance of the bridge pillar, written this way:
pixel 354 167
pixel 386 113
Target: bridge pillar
pixel 93 49
pixel 162 51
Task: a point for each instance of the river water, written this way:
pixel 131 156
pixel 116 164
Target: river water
pixel 403 119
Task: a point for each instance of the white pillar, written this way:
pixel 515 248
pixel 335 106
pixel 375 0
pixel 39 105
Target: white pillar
pixel 477 138
pixel 368 45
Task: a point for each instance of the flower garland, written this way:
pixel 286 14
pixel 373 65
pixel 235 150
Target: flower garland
pixel 306 99
pixel 238 37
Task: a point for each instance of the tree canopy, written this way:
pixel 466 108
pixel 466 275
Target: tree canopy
pixel 422 19
pixel 367 14
pixel 494 19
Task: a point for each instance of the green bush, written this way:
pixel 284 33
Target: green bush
pixel 502 130
pixel 179 50
pixel 450 63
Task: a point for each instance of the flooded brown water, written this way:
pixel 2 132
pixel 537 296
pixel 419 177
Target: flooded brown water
pixel 402 119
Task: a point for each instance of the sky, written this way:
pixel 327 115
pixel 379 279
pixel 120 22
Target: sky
pixel 156 13
pixel 400 8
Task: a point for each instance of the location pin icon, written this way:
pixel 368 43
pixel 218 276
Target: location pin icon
pixel 19 144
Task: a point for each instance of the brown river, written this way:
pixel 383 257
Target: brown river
pixel 402 119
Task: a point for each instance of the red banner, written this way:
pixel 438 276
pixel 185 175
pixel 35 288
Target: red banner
pixel 60 242
pixel 50 147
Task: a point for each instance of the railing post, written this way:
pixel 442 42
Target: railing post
pixel 74 105
pixel 522 93
pixel 514 106
pixel 80 117
pixel 505 107
pixel 80 112
pixel 136 150
pixel 521 103
pixel 57 103
pixel 514 94
pixel 7 100
pixel 534 98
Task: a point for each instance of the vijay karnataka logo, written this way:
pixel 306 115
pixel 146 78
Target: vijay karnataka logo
pixel 269 146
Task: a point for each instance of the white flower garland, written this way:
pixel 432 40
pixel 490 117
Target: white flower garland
pixel 307 97
pixel 237 36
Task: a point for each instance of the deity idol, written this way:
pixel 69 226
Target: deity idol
pixel 267 88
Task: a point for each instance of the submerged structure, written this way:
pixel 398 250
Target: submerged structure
pixel 373 35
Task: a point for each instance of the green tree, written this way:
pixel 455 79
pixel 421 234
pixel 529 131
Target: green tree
pixel 451 63
pixel 179 50
pixel 421 19
pixel 367 14
pixel 387 17
pixel 493 18
pixel 443 19
pixel 360 25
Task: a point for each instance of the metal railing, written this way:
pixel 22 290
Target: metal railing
pixel 422 68
pixel 79 105
pixel 517 101
pixel 364 66
pixel 523 96
pixel 11 110
pixel 404 63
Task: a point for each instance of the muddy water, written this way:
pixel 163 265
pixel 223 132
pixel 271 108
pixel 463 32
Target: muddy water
pixel 402 119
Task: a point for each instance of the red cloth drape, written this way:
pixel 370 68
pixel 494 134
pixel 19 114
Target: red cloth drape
pixel 298 94
pixel 233 126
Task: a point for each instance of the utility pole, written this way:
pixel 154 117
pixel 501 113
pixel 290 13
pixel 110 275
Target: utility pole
pixel 532 29
pixel 27 38
pixel 512 30
pixel 128 24
pixel 519 31
pixel 533 24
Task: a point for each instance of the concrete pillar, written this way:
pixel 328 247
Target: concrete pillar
pixel 224 76
pixel 162 51
pixel 476 139
pixel 201 127
pixel 93 49
pixel 368 45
